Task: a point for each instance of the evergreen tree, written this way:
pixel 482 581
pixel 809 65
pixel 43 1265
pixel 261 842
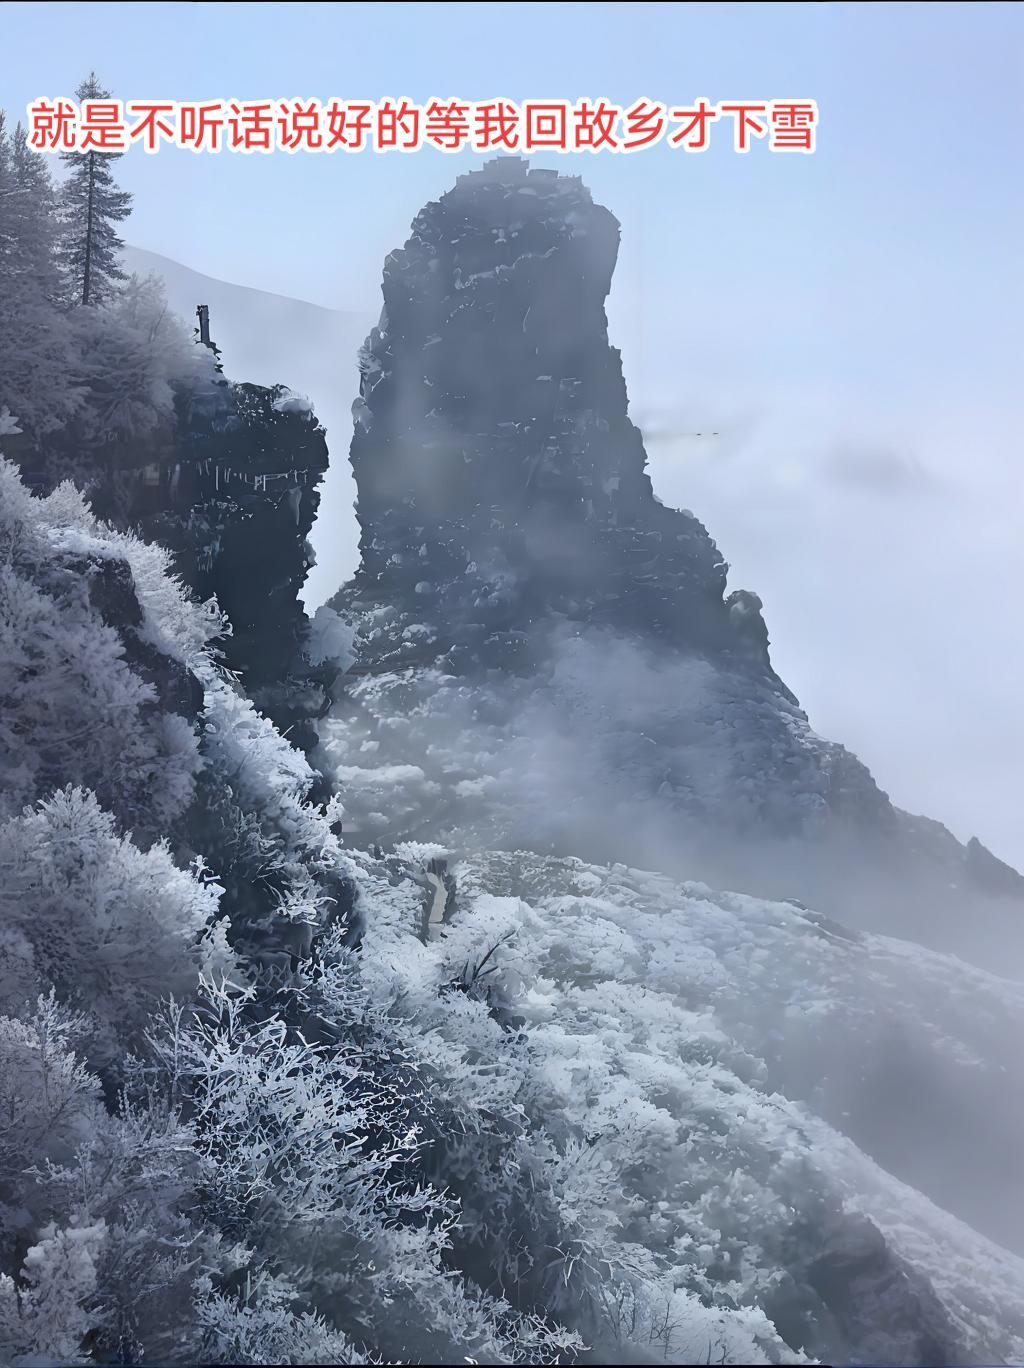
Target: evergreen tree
pixel 36 220
pixel 92 206
pixel 8 193
pixel 35 364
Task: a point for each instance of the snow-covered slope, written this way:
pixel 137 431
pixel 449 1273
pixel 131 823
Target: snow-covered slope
pixel 673 1054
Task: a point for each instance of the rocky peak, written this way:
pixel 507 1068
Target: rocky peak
pixel 500 478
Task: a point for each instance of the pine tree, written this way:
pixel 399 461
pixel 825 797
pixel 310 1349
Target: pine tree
pixel 35 364
pixel 35 217
pixel 7 197
pixel 92 206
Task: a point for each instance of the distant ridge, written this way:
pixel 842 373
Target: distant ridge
pixel 245 320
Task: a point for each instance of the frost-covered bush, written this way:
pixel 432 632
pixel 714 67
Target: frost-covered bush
pixel 46 1315
pixel 113 928
pixel 267 1325
pixel 49 1102
pixel 88 1198
pixel 310 1163
pixel 97 1208
pixel 72 709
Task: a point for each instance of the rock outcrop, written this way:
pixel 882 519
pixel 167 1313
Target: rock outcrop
pixel 501 481
pixel 231 485
pixel 547 656
pixel 236 504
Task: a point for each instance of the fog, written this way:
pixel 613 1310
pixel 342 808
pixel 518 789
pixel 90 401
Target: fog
pixel 614 752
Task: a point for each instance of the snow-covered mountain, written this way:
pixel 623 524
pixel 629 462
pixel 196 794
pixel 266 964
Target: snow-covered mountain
pixel 547 656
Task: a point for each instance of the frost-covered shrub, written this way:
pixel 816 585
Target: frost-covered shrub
pixel 72 709
pixel 47 1314
pixel 265 1323
pixel 103 1202
pixel 282 1120
pixel 139 1177
pixel 113 928
pixel 311 1164
pixel 49 1102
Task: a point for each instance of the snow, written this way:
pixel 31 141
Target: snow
pixel 420 852
pixel 646 1007
pixel 288 401
pixel 358 776
pixel 330 638
pixel 670 1087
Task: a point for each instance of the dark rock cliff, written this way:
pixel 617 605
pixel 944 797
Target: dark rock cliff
pixel 231 488
pixel 236 504
pixel 500 477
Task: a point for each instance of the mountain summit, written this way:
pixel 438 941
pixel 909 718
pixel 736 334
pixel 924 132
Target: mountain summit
pixel 546 655
pixel 493 421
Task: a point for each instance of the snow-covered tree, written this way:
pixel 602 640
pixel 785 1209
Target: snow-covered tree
pixel 93 205
pixel 48 1313
pixel 49 1102
pixel 111 927
pixel 100 1253
pixel 34 214
pixel 36 381
pixel 129 357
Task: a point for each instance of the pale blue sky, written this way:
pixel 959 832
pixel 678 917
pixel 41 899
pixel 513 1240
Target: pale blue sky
pixel 849 322
pixel 920 126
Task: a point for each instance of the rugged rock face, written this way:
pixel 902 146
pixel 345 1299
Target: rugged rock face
pixel 547 656
pixel 236 504
pixel 500 478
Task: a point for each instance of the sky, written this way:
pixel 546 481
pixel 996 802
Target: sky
pixel 849 324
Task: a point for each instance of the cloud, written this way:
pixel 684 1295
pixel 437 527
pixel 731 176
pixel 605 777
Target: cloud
pixel 879 469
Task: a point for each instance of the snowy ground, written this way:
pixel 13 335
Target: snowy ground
pixel 687 1046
